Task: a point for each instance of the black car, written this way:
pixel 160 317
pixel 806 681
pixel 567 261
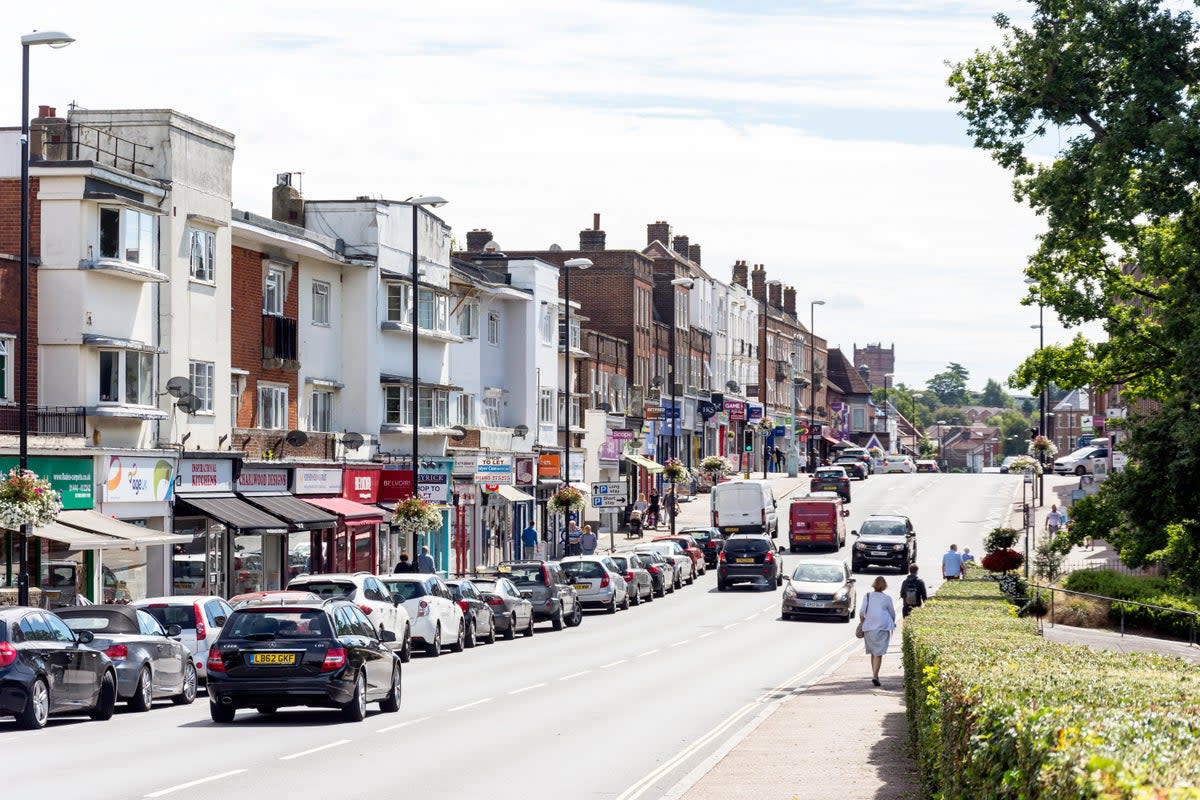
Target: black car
pixel 321 655
pixel 548 588
pixel 886 540
pixel 481 623
pixel 662 572
pixel 831 479
pixel 710 541
pixel 47 669
pixel 748 558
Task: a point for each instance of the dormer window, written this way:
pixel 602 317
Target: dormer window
pixel 127 234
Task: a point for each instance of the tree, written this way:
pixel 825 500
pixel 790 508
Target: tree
pixel 1014 431
pixel 994 395
pixel 1027 407
pixel 949 386
pixel 959 371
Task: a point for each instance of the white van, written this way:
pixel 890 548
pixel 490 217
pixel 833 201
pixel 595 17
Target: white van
pixel 744 507
pixel 1084 460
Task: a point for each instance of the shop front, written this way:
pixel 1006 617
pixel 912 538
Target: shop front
pixel 352 544
pixel 266 488
pixel 137 489
pixel 434 477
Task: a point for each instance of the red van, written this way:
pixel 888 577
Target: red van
pixel 817 521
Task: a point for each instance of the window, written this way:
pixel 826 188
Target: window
pixel 433 407
pixel 126 374
pixel 397 302
pixel 491 412
pixel 546 407
pixel 468 319
pixel 548 326
pixel 7 351
pixel 320 303
pixel 320 415
pixel 858 418
pixel 128 235
pixel 235 399
pixel 493 333
pixel 203 254
pixel 274 289
pixel 463 408
pixel 272 407
pixel 433 309
pixel 200 373
pixel 396 405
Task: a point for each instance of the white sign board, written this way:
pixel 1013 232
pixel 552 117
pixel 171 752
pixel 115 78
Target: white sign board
pixel 610 500
pixel 316 480
pixel 494 469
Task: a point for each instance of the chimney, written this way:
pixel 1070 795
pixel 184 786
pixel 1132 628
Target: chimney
pixel 592 240
pixel 658 232
pixel 739 274
pixel 680 245
pixel 775 292
pixel 693 253
pixel 48 136
pixel 476 240
pixel 789 300
pixel 758 283
pixel 287 204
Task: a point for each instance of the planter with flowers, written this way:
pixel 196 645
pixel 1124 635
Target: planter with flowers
pixel 415 516
pixel 716 467
pixel 675 472
pixel 1041 447
pixel 876 452
pixel 27 499
pixel 566 499
pixel 1022 464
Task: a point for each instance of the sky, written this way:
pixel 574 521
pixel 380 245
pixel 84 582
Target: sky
pixel 816 138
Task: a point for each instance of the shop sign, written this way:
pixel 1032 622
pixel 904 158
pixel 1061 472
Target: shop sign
pixel 549 465
pixel 204 475
pixel 525 471
pixel 316 480
pixel 494 469
pixel 70 477
pixel 707 409
pixel 252 481
pixel 736 409
pixel 576 466
pixel 464 465
pixel 754 412
pixel 610 449
pixel 396 484
pixel 655 412
pixel 360 485
pixel 621 434
pixel 467 493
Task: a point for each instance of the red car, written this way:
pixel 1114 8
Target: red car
pixel 693 550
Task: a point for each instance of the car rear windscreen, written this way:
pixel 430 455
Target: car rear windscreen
pixel 100 622
pixel 746 545
pixel 526 575
pixel 327 589
pixel 406 590
pixel 583 569
pixel 181 615
pixel 266 623
pixel 621 563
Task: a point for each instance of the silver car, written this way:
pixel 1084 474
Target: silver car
pixel 821 587
pixel 685 568
pixel 597 581
pixel 662 571
pixel 640 585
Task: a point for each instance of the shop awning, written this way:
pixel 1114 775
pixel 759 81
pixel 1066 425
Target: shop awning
pixel 131 535
pixel 234 512
pixel 644 463
pixel 513 494
pixel 77 539
pixel 295 511
pixel 830 439
pixel 347 508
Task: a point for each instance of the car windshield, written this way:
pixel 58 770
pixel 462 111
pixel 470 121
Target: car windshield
pixel 406 590
pixel 100 622
pixel 819 573
pixel 583 569
pixel 275 624
pixel 183 616
pixel 874 527
pixel 327 589
pixel 526 575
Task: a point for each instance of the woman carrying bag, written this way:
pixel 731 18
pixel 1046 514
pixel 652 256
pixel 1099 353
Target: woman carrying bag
pixel 876 621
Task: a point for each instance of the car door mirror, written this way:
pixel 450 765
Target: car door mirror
pixel 174 630
pixel 85 637
pixel 781 548
pixel 854 533
pixel 852 580
pixel 845 512
pixel 387 636
pixel 219 621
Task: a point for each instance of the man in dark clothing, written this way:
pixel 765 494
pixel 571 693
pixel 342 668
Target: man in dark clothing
pixel 912 591
pixel 403 565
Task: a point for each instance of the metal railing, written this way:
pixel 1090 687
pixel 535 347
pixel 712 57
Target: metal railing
pixel 1038 588
pixel 45 420
pixel 106 147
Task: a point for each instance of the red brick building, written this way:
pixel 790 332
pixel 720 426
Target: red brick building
pixel 10 293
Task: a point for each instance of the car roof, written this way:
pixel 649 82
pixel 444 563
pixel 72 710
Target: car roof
pixel 889 517
pixel 823 562
pixel 582 558
pixel 176 600
pixel 129 612
pixel 411 577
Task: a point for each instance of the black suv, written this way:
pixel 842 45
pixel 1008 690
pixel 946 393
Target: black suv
pixel 710 541
pixel 885 540
pixel 748 558
pixel 548 588
pixel 323 655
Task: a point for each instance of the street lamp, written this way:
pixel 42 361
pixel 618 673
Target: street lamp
pixel 433 201
pixel 887 427
pixel 676 417
pixel 812 369
pixel 54 39
pixel 568 265
pixel 1041 328
pixel 941 444
pixel 793 457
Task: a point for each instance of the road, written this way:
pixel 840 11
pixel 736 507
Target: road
pixel 622 707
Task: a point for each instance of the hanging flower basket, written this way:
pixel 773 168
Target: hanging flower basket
pixel 415 515
pixel 566 499
pixel 27 499
pixel 875 452
pixel 766 425
pixel 716 467
pixel 1040 446
pixel 675 472
pixel 1022 464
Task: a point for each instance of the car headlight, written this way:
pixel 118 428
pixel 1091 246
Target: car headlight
pixel 897 547
pixel 837 598
pixel 790 591
pixel 860 545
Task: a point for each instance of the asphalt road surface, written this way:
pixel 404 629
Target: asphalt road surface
pixel 623 706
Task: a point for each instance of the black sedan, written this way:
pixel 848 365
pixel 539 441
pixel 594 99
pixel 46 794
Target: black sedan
pixel 46 669
pixel 710 541
pixel 831 479
pixel 321 655
pixel 151 662
pixel 481 623
pixel 511 611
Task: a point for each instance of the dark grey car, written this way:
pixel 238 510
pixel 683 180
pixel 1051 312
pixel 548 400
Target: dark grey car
pixel 510 611
pixel 637 578
pixel 548 588
pixel 150 663
pixel 481 622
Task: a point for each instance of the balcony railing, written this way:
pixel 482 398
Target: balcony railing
pixel 280 342
pixel 45 420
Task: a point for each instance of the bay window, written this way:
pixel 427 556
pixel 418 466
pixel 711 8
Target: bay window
pixel 127 234
pixel 126 376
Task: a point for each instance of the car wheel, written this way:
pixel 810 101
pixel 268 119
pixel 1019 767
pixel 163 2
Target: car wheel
pixel 849 615
pixel 433 648
pixel 491 637
pixel 678 582
pixel 391 703
pixel 691 577
pixel 221 714
pixel 720 586
pixel 355 710
pixel 1081 470
pixel 625 602
pixel 106 700
pixel 457 647
pixel 37 707
pixel 557 622
pixel 188 694
pixel 510 632
pixel 661 591
pixel 785 616
pixel 611 608
pixel 650 594
pixel 636 600
pixel 143 693
pixel 406 648
pixel 576 615
pixel 856 566
pixel 469 639
pixel 529 630
pixel 779 580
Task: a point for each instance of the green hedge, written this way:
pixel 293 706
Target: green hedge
pixel 996 711
pixel 1152 590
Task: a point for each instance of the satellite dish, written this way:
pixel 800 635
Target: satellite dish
pixel 352 440
pixel 605 407
pixel 187 403
pixel 555 248
pixel 459 434
pixel 521 430
pixel 732 386
pixel 179 386
pixel 656 381
pixel 296 438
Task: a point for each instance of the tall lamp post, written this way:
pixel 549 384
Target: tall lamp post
pixel 53 39
pixel 432 201
pixel 812 370
pixel 1041 329
pixel 568 265
pixel 941 445
pixel 793 457
pixel 676 417
pixel 887 421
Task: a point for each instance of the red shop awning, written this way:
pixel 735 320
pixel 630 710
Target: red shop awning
pixel 830 439
pixel 347 508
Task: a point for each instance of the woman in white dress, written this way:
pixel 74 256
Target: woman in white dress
pixel 878 616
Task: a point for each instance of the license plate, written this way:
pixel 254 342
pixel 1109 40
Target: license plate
pixel 744 560
pixel 801 537
pixel 583 586
pixel 273 659
pixel 731 530
pixel 878 553
pixel 811 604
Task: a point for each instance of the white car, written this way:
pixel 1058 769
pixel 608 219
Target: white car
pixel 199 617
pixel 1084 460
pixel 598 581
pixel 437 618
pixel 364 590
pixel 896 463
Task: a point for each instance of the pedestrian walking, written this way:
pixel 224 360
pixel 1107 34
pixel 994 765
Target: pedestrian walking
pixel 587 541
pixel 967 556
pixel 403 565
pixel 877 620
pixel 529 542
pixel 652 511
pixel 912 591
pixel 425 562
pixel 1054 521
pixel 570 538
pixel 952 564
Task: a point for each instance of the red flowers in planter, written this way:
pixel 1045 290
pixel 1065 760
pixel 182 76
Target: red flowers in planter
pixel 1003 560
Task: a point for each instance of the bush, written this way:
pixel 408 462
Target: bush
pixel 1108 583
pixel 997 711
pixel 1153 590
pixel 1004 560
pixel 1000 539
pixel 1082 612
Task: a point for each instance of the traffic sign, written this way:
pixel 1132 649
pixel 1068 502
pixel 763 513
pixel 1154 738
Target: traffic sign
pixel 610 500
pixel 609 488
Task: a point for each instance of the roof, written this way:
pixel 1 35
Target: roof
pixel 1076 400
pixel 843 374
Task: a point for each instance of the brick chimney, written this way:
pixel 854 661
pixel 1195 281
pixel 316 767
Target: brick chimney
pixel 659 232
pixel 694 253
pixel 287 204
pixel 775 292
pixel 740 274
pixel 477 238
pixel 758 283
pixel 789 300
pixel 680 245
pixel 593 239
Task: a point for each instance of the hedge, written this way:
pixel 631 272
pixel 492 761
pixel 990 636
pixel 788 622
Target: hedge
pixel 1152 590
pixel 996 711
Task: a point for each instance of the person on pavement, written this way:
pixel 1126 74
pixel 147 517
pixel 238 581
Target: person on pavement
pixel 967 556
pixel 1054 521
pixel 403 565
pixel 952 564
pixel 571 538
pixel 878 620
pixel 652 511
pixel 425 562
pixel 587 541
pixel 529 541
pixel 912 591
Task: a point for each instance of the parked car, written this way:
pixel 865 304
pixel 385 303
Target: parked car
pixel 151 662
pixel 855 467
pixel 661 569
pixel 1006 463
pixel 1084 460
pixel 817 521
pixel 510 611
pixel 831 479
pixel 199 617
pixel 279 597
pixel 884 540
pixel 929 465
pixel 821 587
pixel 708 540
pixel 690 546
pixel 748 559
pixel 685 567
pixel 481 624
pixel 597 581
pixel 744 507
pixel 548 588
pixel 638 582
pixel 372 598
pixel 435 617
pixel 322 655
pixel 862 454
pixel 46 668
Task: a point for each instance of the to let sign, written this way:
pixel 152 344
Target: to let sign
pixel 494 469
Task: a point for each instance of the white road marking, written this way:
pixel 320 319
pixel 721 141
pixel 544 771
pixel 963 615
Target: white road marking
pixel 303 753
pixel 705 635
pixel 730 625
pixel 197 782
pixel 527 688
pixel 647 653
pixel 752 616
pixel 768 608
pixel 469 705
pixel 677 644
pixel 574 675
pixel 612 663
pixel 403 724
